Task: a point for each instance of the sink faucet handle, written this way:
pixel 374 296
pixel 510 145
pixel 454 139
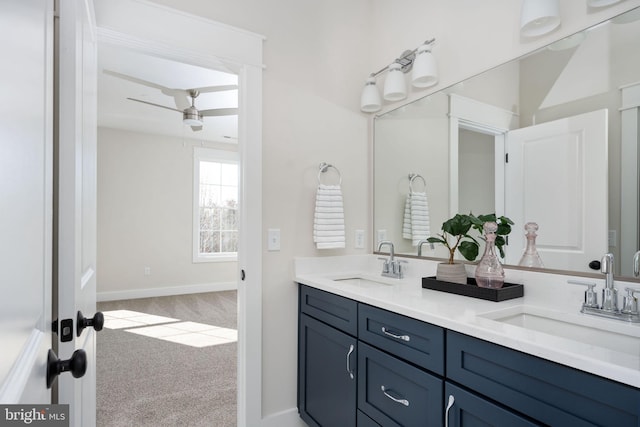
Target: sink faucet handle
pixel 630 304
pixel 590 295
pixel 385 264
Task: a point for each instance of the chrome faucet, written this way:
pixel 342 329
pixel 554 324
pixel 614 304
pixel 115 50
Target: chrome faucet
pixel 609 307
pixel 422 242
pixel 391 267
pixel 609 293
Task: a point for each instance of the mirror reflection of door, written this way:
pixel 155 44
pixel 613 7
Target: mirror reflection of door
pixel 556 178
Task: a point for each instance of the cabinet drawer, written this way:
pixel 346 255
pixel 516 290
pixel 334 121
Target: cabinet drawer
pixel 468 409
pixel 551 393
pixel 334 310
pixel 411 339
pixel 394 393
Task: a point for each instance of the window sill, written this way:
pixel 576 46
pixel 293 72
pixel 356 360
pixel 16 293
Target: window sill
pixel 215 258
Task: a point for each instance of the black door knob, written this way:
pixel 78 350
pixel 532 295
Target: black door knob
pixel 594 265
pixel 77 365
pixel 97 322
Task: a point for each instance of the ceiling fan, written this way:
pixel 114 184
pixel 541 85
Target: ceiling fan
pixel 190 114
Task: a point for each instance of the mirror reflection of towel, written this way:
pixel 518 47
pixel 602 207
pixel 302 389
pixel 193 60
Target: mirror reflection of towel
pixel 328 221
pixel 415 226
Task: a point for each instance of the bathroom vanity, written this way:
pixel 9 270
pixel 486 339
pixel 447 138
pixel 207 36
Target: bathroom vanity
pixel 376 351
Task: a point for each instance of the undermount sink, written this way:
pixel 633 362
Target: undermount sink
pixel 362 281
pixel 611 334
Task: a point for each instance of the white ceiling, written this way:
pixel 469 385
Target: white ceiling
pixel 116 111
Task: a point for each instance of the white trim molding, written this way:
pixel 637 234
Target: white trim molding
pixel 630 176
pixel 165 291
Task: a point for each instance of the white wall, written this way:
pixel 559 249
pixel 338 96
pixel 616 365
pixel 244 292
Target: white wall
pixel 317 56
pixel 145 215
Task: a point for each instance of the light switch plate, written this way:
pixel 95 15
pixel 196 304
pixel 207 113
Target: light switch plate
pixel 273 239
pixel 359 239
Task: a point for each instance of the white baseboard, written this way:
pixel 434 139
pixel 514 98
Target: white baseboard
pixel 166 291
pixel 287 418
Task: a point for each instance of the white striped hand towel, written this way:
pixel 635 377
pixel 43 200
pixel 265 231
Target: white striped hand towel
pixel 416 225
pixel 328 222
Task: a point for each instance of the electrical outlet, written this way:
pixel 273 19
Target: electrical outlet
pixel 382 235
pixel 359 241
pixel 147 271
pixel 613 238
pixel 273 239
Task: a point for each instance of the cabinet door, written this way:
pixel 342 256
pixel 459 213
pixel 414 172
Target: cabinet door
pixel 469 410
pixel 327 360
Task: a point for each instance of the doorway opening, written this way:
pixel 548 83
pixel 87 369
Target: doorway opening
pixel 168 225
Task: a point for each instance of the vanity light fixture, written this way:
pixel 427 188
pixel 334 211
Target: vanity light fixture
pixel 395 87
pixel 425 71
pixel 539 17
pixel 370 101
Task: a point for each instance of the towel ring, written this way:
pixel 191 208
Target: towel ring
pixel 413 177
pixel 324 167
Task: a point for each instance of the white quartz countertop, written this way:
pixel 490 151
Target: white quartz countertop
pixel 545 293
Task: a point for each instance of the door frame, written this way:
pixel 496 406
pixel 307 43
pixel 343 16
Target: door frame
pixel 476 116
pixel 630 176
pixel 227 49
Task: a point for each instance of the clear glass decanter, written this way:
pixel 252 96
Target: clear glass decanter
pixel 530 257
pixel 489 272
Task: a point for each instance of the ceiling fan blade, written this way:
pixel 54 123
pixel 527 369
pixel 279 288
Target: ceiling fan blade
pixel 181 100
pixel 220 112
pixel 214 88
pixel 135 80
pixel 155 105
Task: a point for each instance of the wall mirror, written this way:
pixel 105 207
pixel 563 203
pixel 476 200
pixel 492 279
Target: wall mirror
pixel 551 138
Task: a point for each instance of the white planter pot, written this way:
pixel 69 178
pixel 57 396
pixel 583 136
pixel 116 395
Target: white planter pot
pixel 454 273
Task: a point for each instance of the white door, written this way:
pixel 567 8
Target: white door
pixel 76 218
pixel 557 176
pixel 26 164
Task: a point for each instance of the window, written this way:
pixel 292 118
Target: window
pixel 215 210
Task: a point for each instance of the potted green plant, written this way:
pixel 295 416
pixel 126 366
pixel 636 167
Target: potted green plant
pixel 455 236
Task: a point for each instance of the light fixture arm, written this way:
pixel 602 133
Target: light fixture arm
pixel 406 60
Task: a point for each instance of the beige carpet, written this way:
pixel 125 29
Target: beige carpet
pixel 146 381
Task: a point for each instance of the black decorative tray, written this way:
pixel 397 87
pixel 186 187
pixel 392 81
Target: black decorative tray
pixel 471 289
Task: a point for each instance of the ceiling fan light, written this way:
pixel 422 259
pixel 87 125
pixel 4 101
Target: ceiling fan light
pixel 191 117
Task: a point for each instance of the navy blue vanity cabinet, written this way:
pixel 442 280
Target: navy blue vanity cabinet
pixel 549 393
pixel 327 359
pixel 465 409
